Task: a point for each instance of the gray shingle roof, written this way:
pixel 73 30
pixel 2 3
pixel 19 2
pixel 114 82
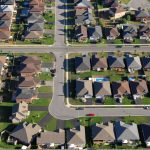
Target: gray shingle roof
pixel 133 62
pixel 145 62
pixel 76 136
pixel 25 132
pixel 82 63
pixel 116 62
pixel 103 132
pixel 125 131
pixel 83 87
pixel 146 132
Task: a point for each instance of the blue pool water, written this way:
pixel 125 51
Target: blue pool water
pixel 102 79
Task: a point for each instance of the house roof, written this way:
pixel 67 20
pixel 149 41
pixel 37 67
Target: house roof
pixel 116 62
pixel 95 32
pixel 138 87
pixel 5 35
pixel 5 15
pixel 33 34
pixel 144 30
pixel 82 63
pixel 125 131
pixel 133 62
pixel 102 88
pixel 27 82
pixel 145 128
pixel 38 26
pixel 129 31
pixel 83 87
pixel 25 132
pixel 34 17
pixel 120 88
pixel 145 62
pixel 142 13
pixel 82 3
pixel 25 93
pixel 103 132
pixel 7 2
pixel 116 10
pixel 19 112
pixel 81 31
pixel 48 137
pixel 98 62
pixel 20 107
pixel 6 8
pixel 112 32
pixel 76 136
pixel 5 24
pixel 36 8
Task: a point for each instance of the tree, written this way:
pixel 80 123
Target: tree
pixel 128 17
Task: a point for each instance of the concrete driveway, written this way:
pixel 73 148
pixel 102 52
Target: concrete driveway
pixel 144 4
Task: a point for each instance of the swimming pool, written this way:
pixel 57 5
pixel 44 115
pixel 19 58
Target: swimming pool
pixel 101 79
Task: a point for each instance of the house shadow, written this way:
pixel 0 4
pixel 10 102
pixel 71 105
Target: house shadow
pixel 5 113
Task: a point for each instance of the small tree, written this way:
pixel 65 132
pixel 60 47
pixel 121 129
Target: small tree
pixel 128 17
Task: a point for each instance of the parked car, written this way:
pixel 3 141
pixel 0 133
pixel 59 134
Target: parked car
pixel 91 114
pixel 80 108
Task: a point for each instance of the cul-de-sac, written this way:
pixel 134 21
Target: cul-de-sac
pixel 75 74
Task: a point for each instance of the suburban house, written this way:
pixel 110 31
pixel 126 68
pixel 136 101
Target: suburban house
pixel 133 63
pixel 82 4
pixel 24 133
pixel 145 63
pixel 28 66
pixel 19 112
pixel 98 63
pixel 110 3
pixel 81 33
pixel 145 128
pixel 25 95
pixel 129 33
pixel 144 32
pixel 51 139
pixel 117 12
pixel 84 17
pixel 76 137
pixel 84 89
pixel 28 82
pixel 82 64
pixel 142 15
pixel 138 88
pixel 116 63
pixel 126 133
pixel 103 133
pixel 120 89
pixel 102 89
pixel 95 33
pixel 111 33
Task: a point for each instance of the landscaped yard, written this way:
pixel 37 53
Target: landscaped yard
pixel 41 102
pixel 51 125
pixel 45 76
pixel 36 116
pixel 45 89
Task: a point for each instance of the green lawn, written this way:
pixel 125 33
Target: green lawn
pixel 45 57
pixel 41 102
pixel 45 76
pixel 51 126
pixel 36 116
pixel 69 124
pixel 146 100
pixel 136 119
pixel 76 101
pixel 7 104
pixel 109 101
pixel 125 1
pixel 87 121
pixel 4 145
pixel 45 89
pixel 127 101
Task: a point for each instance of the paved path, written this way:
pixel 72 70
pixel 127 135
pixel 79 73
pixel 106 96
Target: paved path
pixel 144 4
pixel 60 124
